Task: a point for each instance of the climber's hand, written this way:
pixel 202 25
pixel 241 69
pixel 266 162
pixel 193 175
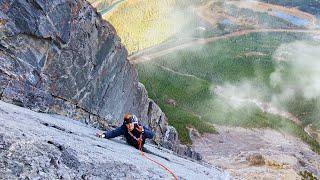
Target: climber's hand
pixel 100 135
pixel 140 128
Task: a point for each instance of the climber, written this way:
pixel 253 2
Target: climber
pixel 133 131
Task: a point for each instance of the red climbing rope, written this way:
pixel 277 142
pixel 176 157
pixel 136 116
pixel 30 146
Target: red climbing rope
pixel 139 140
pixel 163 166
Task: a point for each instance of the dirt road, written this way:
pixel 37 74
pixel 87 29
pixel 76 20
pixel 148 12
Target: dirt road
pixel 272 8
pixel 212 14
pixel 143 57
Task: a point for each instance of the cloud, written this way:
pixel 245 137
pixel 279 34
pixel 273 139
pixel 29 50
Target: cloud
pixel 297 74
pixel 240 95
pixel 298 70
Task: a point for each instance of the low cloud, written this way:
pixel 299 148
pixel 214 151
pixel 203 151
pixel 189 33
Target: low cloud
pixel 297 74
pixel 298 70
pixel 241 94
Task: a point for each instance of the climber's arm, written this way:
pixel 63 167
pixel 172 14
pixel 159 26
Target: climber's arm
pixel 147 133
pixel 115 133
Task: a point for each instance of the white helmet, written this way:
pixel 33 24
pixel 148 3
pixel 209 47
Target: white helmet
pixel 134 119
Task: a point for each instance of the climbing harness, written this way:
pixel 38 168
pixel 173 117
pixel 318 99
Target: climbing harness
pixel 139 141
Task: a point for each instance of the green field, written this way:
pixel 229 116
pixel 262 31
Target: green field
pixel 233 60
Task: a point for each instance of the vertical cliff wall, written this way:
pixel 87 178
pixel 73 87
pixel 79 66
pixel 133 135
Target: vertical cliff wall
pixel 59 56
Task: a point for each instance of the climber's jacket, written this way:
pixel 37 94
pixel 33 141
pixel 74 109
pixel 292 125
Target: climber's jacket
pixel 122 130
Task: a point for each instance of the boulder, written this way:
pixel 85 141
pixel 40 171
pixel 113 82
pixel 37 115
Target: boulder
pixel 256 159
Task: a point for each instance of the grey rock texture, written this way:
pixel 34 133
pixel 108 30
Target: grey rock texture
pixel 61 57
pixel 167 136
pixel 42 146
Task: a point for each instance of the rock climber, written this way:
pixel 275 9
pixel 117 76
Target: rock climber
pixel 132 130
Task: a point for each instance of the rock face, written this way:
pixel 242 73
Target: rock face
pixel 60 57
pixel 167 135
pixel 56 147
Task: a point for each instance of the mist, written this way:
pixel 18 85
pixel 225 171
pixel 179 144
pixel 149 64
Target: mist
pixel 298 70
pixel 296 75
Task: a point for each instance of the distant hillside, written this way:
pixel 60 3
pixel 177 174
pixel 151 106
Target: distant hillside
pixel 310 6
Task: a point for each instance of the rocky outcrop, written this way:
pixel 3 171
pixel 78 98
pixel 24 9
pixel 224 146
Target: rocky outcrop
pixel 61 57
pixel 258 153
pixel 167 135
pixel 56 147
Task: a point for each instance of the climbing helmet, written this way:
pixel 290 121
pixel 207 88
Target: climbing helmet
pixel 129 118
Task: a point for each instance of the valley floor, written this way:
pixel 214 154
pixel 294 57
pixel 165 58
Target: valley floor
pixel 257 153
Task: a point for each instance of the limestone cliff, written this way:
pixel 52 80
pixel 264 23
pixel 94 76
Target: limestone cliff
pixel 61 57
pixel 56 147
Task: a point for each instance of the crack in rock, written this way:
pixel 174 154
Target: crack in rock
pixel 56 127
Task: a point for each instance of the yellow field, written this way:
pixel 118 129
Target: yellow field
pixel 143 23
